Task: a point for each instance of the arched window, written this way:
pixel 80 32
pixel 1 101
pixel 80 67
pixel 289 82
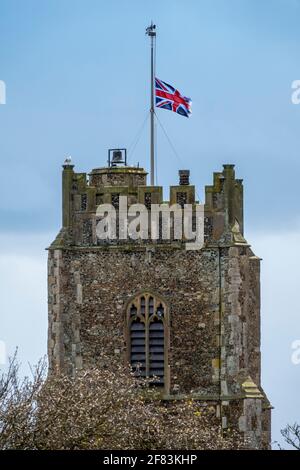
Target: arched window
pixel 147 337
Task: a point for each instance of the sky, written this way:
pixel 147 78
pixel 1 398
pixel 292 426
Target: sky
pixel 77 83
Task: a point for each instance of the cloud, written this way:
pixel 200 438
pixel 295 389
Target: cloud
pixel 23 295
pixel 280 315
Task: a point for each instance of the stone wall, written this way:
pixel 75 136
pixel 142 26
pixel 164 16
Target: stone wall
pixel 92 287
pixel 100 283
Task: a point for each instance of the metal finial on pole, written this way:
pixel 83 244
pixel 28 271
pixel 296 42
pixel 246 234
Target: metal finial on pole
pixel 151 32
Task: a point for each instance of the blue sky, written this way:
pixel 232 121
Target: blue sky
pixel 77 78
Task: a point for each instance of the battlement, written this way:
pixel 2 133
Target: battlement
pixel 82 193
pixel 224 203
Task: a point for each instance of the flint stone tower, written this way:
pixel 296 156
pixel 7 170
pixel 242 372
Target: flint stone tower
pixel 191 318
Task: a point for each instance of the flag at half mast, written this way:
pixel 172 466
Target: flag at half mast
pixel 167 97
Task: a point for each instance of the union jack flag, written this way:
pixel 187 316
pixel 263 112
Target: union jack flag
pixel 167 97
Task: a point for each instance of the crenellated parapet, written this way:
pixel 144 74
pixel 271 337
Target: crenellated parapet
pixel 224 203
pixel 82 193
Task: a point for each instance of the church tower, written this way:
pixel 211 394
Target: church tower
pixel 191 318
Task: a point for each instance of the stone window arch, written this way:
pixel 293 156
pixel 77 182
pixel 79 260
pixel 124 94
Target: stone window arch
pixel 148 337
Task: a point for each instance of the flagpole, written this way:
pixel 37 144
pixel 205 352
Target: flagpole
pixel 151 32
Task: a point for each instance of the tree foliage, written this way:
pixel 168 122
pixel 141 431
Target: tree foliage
pixel 103 408
pixel 291 434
